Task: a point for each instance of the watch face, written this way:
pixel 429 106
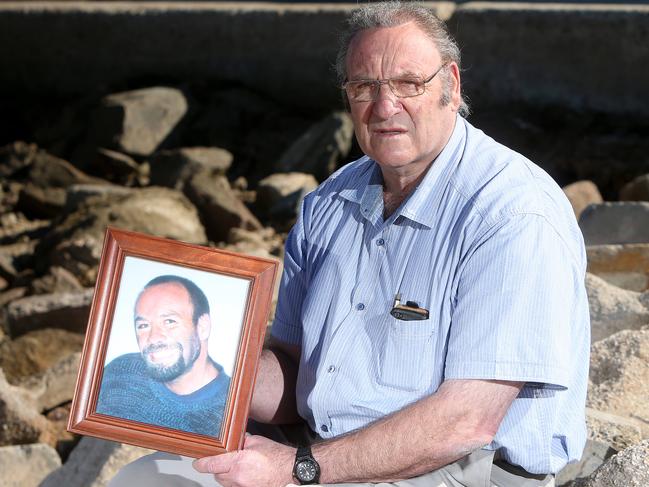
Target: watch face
pixel 305 471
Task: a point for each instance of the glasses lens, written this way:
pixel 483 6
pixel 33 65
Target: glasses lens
pixel 360 90
pixel 405 87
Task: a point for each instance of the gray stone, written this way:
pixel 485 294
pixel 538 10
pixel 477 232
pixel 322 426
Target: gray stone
pixel 629 468
pixel 625 266
pixel 619 376
pixel 319 150
pixel 57 280
pixel 273 188
pixel 15 258
pixel 19 418
pixel 219 207
pixel 137 122
pixel 67 311
pixel 50 171
pixel 613 309
pixel 636 190
pixel 173 168
pixel 120 168
pixel 38 202
pixel 27 465
pixel 16 227
pixel 16 157
pixel 594 455
pixel 581 194
pixel 76 243
pixel 78 193
pixel 55 385
pixel 616 431
pixel 615 223
pixel 93 462
pixel 35 352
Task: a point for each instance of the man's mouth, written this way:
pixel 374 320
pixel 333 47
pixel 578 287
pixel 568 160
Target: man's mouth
pixel 161 353
pixel 389 131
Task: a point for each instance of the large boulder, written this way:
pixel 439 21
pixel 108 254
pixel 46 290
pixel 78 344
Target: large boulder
pixel 319 149
pixel 581 194
pixel 68 311
pixel 625 266
pixel 92 463
pixel 120 168
pixel 619 376
pixel 136 122
pixel 629 468
pixel 613 309
pixel 219 206
pixel 173 168
pixel 55 385
pixel 615 223
pixel 636 190
pixel 27 465
pixel 36 351
pixel 280 195
pixel 76 243
pixel 20 419
pixel 618 432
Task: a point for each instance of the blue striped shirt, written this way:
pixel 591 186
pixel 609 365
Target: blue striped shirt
pixel 487 243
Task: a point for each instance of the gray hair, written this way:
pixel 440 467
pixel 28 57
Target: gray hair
pixel 395 13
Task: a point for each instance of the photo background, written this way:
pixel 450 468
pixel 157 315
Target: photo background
pixel 227 296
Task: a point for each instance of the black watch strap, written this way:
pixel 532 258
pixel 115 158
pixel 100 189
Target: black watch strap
pixel 306 470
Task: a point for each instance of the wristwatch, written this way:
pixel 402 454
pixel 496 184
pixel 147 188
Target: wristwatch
pixel 306 469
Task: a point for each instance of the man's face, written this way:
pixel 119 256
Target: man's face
pixel 401 133
pixel 167 337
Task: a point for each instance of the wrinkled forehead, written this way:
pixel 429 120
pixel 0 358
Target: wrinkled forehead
pixel 391 51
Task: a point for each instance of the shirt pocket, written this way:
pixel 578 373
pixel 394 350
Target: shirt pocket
pixel 406 359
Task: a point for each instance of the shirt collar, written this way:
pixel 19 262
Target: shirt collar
pixel 421 206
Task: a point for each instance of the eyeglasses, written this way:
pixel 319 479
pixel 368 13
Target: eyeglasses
pixel 368 89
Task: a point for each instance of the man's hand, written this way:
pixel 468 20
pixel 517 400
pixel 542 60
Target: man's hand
pixel 261 462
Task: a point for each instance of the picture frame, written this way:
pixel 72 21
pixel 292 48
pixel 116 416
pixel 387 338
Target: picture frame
pixel 126 390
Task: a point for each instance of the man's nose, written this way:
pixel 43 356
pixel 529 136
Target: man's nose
pixel 157 333
pixel 386 103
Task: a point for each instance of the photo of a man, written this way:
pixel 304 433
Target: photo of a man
pixel 172 382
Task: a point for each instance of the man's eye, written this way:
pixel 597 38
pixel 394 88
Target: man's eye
pixel 141 325
pixel 169 322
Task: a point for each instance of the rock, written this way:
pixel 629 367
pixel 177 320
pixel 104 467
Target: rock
pixel 15 258
pixel 625 266
pixel 320 148
pixel 58 280
pixel 14 227
pixel 173 168
pixel 36 351
pixel 137 122
pixel 613 309
pixel 581 194
pixel 50 171
pixel 636 190
pixel 55 385
pixel 16 157
pixel 40 202
pixel 27 465
pixel 120 168
pixel 594 455
pixel 78 193
pixel 76 243
pixel 616 431
pixel 67 311
pixel 93 462
pixel 615 223
pixel 20 420
pixel 619 376
pixel 261 243
pixel 629 468
pixel 219 207
pixel 273 190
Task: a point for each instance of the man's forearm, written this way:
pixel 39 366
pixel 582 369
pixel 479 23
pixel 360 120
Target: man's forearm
pixel 273 399
pixel 461 417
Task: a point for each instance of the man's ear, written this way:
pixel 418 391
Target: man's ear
pixel 204 326
pixel 455 90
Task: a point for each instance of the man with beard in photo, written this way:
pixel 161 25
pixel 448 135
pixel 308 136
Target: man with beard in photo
pixel 172 382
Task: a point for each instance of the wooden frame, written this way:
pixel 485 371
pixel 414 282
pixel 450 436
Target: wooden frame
pixel 255 275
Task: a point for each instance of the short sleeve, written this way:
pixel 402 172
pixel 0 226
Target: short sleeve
pixel 519 306
pixel 287 323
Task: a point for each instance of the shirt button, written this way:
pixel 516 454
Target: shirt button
pixel 360 306
pixel 324 428
pixel 380 242
pixel 331 369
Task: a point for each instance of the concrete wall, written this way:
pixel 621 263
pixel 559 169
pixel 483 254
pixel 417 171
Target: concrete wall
pixel 592 57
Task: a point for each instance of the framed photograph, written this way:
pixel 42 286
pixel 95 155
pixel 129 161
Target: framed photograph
pixel 173 341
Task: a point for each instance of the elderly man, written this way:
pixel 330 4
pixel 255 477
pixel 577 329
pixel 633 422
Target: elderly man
pixel 432 326
pixel 172 382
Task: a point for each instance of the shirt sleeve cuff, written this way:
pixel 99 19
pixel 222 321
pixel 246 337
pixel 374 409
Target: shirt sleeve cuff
pixel 541 375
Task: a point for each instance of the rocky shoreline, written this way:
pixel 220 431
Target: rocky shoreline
pixel 232 175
